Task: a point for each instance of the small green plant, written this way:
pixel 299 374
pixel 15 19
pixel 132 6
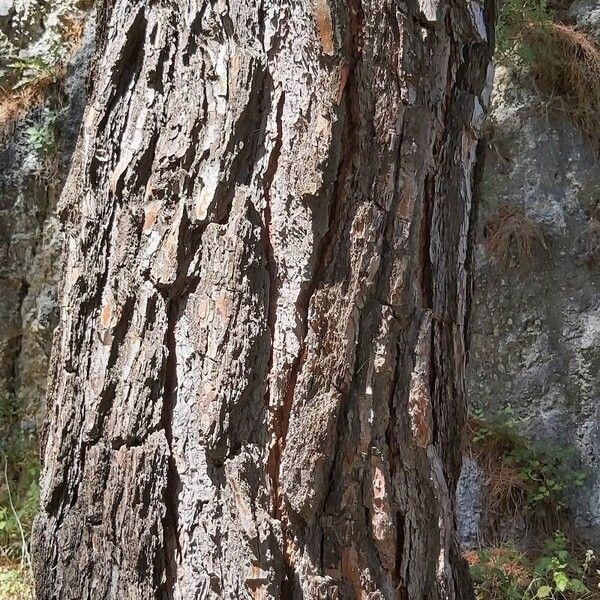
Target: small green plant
pixel 34 68
pixel 498 573
pixel 42 136
pixel 557 573
pixel 503 422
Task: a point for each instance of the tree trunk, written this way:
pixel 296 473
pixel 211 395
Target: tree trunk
pixel 257 381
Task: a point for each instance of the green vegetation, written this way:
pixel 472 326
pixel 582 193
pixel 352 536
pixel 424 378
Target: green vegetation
pixel 17 511
pixel 19 499
pixel 31 69
pixel 43 135
pixel 18 506
pixel 36 80
pixel 563 60
pixel 527 479
pixel 15 583
pixel 515 17
pixel 528 483
pixel 554 573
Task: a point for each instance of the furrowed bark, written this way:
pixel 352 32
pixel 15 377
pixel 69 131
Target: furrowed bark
pixel 257 381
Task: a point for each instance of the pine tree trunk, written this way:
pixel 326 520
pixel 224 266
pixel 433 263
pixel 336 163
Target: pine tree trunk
pixel 257 382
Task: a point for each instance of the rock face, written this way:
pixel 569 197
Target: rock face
pixel 586 13
pixel 30 240
pixel 536 325
pixel 34 29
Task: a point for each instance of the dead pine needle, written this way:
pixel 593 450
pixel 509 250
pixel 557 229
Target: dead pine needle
pixel 565 64
pixel 511 234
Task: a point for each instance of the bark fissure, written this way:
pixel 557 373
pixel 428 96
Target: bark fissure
pixel 171 541
pixel 278 415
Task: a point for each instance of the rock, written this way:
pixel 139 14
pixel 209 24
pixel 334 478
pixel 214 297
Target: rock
pixel 6 8
pixel 30 247
pixel 547 363
pixel 586 13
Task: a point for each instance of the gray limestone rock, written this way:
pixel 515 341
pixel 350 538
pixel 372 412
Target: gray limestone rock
pixel 6 8
pixel 536 323
pixel 586 13
pixel 31 244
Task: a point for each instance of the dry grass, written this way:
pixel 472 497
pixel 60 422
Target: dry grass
pixel 511 234
pixel 14 104
pixel 506 493
pixel 515 471
pixel 565 63
pixel 503 573
pixel 507 561
pixel 72 32
pixel 511 573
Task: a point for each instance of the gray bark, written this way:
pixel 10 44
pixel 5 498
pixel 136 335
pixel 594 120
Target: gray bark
pixel 257 381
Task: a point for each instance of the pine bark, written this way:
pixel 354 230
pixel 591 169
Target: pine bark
pixel 257 383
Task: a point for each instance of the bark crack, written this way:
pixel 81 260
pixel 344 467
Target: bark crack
pixel 176 295
pixel 171 541
pixel 274 456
